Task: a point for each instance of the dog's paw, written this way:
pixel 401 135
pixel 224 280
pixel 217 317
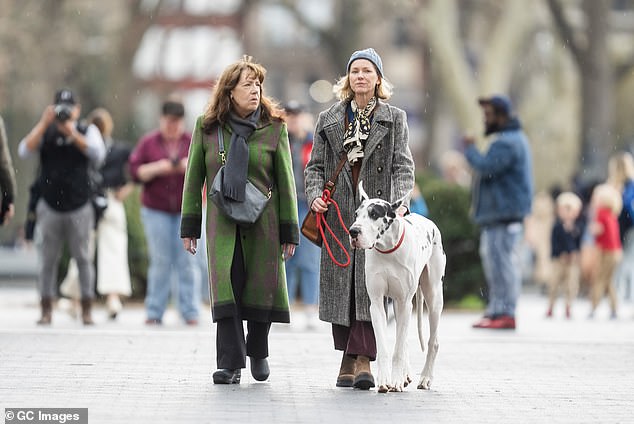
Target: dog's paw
pixel 383 388
pixel 398 387
pixel 425 383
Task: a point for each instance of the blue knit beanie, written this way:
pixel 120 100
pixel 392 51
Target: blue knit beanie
pixel 368 54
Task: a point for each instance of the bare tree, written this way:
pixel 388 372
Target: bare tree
pixel 588 46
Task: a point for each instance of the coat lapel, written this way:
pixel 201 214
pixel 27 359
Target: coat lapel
pixel 380 126
pixel 334 128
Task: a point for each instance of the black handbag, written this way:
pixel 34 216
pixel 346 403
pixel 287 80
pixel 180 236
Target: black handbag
pixel 243 213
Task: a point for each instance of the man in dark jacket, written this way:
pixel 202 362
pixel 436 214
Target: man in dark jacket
pixel 502 193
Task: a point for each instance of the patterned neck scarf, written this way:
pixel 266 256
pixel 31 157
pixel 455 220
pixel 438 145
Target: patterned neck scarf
pixel 358 130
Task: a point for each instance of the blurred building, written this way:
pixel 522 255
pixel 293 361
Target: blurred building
pixel 191 41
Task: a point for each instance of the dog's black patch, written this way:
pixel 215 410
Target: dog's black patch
pixel 377 210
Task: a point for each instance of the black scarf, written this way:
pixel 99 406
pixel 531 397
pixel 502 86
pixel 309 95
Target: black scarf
pixel 235 178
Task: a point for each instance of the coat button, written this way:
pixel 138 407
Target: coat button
pixel 379 192
pixel 379 146
pixel 379 169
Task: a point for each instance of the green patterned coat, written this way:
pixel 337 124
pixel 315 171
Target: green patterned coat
pixel 265 297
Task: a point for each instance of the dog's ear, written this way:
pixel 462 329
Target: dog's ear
pixel 400 201
pixel 396 204
pixel 362 194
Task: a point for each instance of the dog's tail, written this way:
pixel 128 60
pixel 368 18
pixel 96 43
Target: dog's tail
pixel 419 316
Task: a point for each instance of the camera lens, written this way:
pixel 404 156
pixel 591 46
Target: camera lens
pixel 63 112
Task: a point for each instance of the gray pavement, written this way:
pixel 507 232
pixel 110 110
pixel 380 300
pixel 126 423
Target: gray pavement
pixel 576 371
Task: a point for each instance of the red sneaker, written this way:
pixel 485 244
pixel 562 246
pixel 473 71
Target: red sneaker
pixel 485 322
pixel 503 322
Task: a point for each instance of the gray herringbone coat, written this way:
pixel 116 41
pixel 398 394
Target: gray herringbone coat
pixel 387 172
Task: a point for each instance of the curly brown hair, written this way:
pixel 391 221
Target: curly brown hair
pixel 219 105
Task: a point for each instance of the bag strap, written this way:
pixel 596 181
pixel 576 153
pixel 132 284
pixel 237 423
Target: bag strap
pixel 330 184
pixel 221 145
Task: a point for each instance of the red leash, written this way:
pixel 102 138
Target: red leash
pixel 321 223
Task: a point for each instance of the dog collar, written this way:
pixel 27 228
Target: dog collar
pixel 400 241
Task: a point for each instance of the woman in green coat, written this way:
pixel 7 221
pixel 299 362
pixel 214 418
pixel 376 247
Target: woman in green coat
pixel 246 272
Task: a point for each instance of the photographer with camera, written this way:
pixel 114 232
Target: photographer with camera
pixel 67 149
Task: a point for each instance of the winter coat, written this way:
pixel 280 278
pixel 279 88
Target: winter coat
pixel 265 297
pixel 387 172
pixel 503 189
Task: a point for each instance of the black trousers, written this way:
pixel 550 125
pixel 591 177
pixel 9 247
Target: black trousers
pixel 231 346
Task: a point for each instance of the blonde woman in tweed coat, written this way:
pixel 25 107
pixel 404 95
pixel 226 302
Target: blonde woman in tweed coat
pixel 374 136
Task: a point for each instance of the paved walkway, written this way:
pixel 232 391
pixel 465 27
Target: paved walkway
pixel 577 371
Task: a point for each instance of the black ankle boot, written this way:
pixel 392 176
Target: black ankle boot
pixel 227 376
pixel 260 369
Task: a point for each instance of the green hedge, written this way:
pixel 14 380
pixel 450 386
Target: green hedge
pixel 449 208
pixel 137 248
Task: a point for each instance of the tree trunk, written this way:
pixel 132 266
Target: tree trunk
pixel 596 88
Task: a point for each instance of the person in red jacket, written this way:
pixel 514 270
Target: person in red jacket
pixel 606 203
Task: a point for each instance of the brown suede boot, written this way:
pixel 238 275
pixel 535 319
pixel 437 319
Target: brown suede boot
pixel 47 311
pixel 363 378
pixel 86 314
pixel 346 371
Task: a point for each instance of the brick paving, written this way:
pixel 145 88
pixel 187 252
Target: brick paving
pixel 576 371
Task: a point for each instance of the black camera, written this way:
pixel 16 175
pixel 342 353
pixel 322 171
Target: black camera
pixel 63 112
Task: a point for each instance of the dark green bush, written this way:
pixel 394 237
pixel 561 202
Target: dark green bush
pixel 137 248
pixel 449 208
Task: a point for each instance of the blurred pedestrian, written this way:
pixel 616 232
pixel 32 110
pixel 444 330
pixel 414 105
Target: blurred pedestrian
pixel 621 176
pixel 245 262
pixel 538 231
pixel 566 245
pixel 7 178
pixel 111 236
pixel 67 149
pixel 606 204
pixel 303 267
pixel 501 198
pixel 159 162
pixel 417 203
pixel 455 169
pixel 201 254
pixel 113 271
pixel 373 138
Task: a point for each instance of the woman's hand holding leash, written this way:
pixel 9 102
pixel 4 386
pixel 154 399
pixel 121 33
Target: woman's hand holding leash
pixel 319 205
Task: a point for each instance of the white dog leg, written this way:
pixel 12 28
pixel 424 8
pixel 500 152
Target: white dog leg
pixel 379 322
pixel 431 284
pixel 400 357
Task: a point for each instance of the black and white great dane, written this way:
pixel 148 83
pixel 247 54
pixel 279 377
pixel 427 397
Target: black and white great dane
pixel 404 258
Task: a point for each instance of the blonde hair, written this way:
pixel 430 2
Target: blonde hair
pixel 219 105
pixel 343 91
pixel 102 119
pixel 568 199
pixel 605 195
pixel 620 169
